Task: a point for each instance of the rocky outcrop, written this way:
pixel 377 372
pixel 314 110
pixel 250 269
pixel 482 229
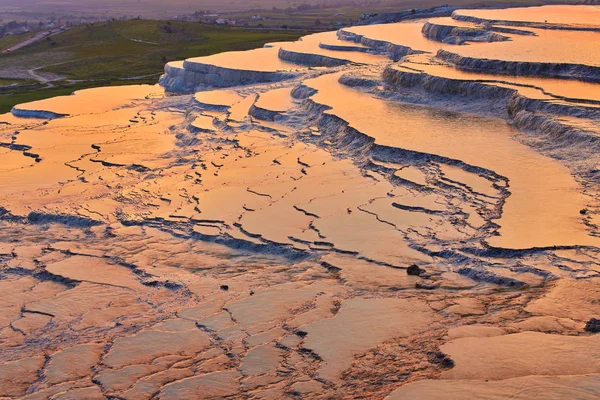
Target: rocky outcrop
pixel 262 113
pixel 519 102
pixel 39 217
pixel 190 75
pixel 302 92
pixel 540 25
pixel 393 50
pixel 511 31
pixel 396 78
pixel 356 80
pixel 164 248
pixel 343 48
pixel 542 118
pixel 525 68
pixel 459 35
pixel 508 98
pixel 17 111
pixel 177 79
pixel 348 140
pixel 311 60
pixel 345 138
pixel 211 107
pixel 556 130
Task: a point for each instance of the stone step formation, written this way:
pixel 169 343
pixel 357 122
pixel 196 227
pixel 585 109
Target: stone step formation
pixel 406 210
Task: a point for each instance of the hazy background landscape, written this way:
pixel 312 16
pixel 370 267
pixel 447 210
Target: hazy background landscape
pixel 157 8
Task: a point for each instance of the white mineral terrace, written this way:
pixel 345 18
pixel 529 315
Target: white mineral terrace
pixel 400 211
pixel 260 60
pixel 533 216
pixel 566 16
pixel 548 89
pixel 573 47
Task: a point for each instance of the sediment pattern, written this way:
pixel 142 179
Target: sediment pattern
pixel 380 229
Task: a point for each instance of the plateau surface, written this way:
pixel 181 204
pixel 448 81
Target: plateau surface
pixel 400 211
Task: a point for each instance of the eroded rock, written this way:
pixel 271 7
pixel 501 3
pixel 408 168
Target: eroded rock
pixel 360 325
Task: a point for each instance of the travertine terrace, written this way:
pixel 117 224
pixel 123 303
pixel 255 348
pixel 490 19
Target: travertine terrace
pixel 401 211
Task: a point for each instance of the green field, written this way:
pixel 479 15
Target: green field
pixel 110 53
pixel 8 41
pixel 108 50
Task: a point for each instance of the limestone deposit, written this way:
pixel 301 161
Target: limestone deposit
pixel 398 211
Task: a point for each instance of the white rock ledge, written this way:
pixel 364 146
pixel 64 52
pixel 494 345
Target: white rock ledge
pixel 188 76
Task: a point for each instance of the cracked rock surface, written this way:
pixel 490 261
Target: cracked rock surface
pixel 250 236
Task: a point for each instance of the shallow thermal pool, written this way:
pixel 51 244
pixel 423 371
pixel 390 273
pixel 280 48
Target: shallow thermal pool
pixel 560 14
pixel 552 46
pixel 309 45
pixel 543 208
pixel 262 60
pixel 570 89
pixel 403 33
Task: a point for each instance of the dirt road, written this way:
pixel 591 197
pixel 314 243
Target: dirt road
pixel 38 36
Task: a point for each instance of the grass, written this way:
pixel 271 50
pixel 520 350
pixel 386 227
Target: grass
pixel 105 53
pixel 9 41
pixel 108 50
pixel 8 82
